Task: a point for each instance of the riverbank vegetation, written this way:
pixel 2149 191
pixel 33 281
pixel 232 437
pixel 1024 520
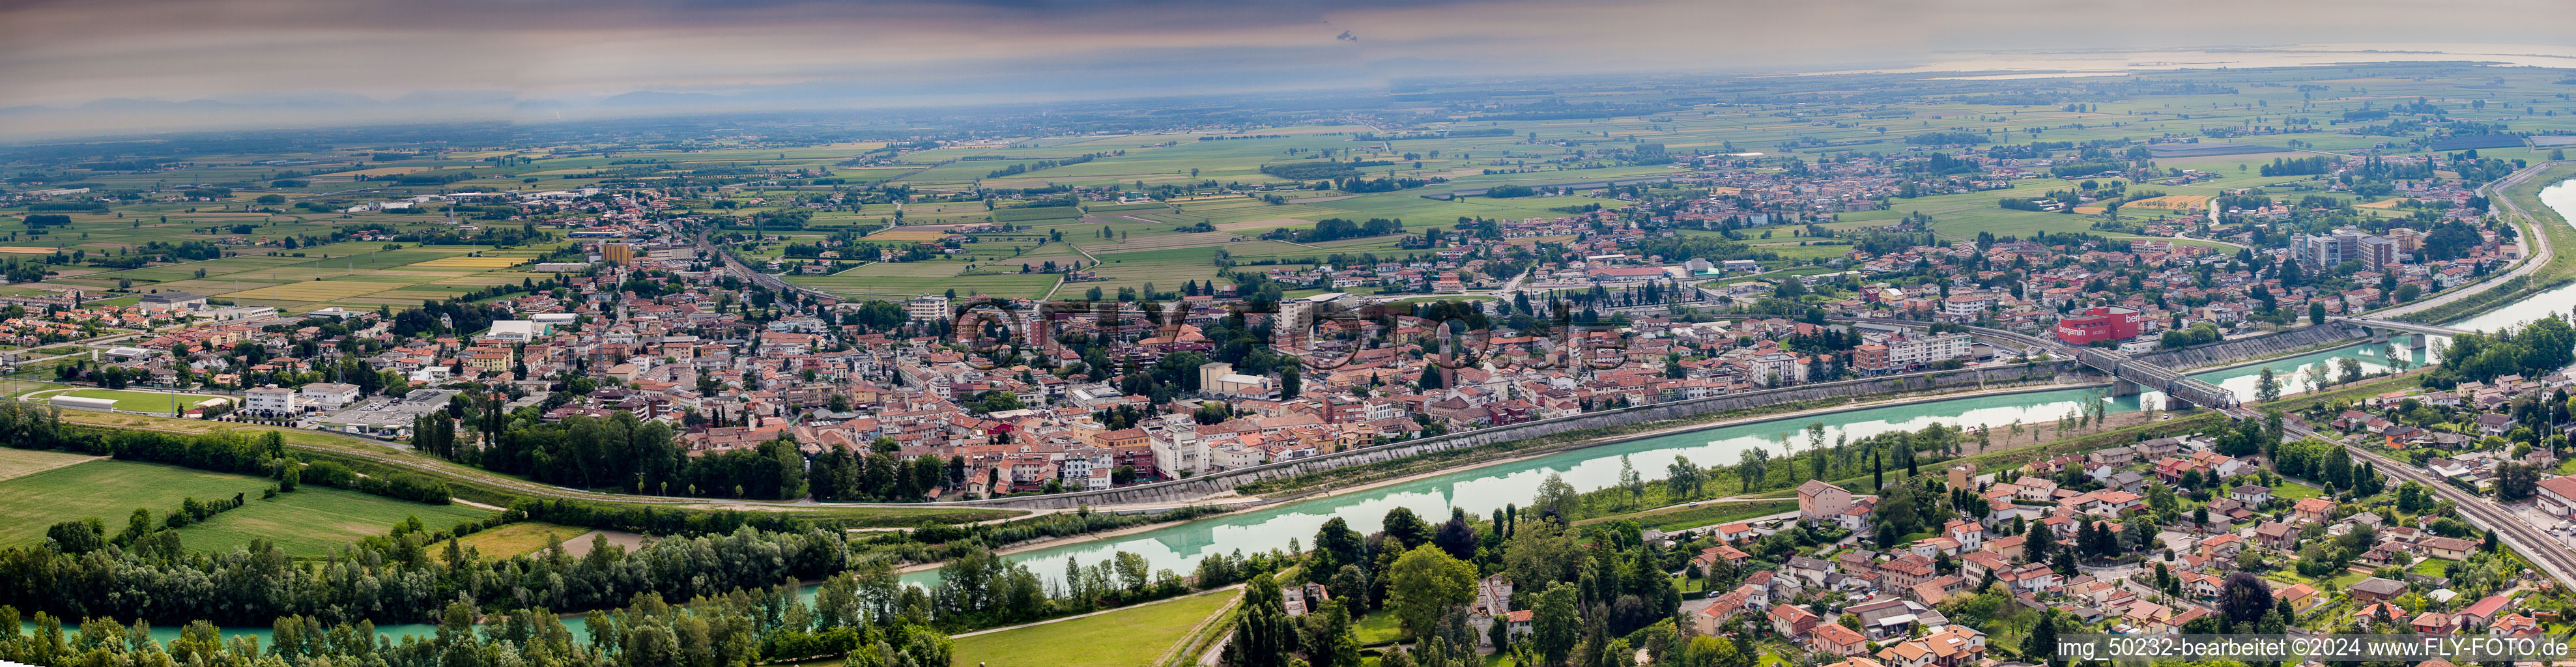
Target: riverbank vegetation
pixel 744 627
pixel 1459 458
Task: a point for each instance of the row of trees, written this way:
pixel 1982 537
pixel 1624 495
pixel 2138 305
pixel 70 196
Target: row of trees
pixel 743 627
pixel 620 452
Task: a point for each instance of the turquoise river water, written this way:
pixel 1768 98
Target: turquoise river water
pixel 1481 490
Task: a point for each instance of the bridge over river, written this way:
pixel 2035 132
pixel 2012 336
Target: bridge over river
pixel 2130 374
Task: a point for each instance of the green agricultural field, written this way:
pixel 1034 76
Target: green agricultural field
pixel 1043 213
pixel 141 401
pixel 1215 179
pixel 521 538
pixel 1122 638
pixel 1796 250
pixel 23 462
pixel 109 490
pixel 891 286
pixel 314 520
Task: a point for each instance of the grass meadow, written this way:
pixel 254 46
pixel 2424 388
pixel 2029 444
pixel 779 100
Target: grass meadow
pixel 308 522
pixel 524 537
pixel 313 521
pixel 1121 638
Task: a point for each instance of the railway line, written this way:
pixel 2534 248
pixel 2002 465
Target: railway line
pixel 2552 558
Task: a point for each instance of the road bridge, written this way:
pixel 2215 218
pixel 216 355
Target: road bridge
pixel 2420 331
pixel 2131 374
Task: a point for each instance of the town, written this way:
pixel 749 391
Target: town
pixel 1927 377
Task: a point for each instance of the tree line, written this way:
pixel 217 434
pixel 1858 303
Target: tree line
pixel 744 627
pixel 620 452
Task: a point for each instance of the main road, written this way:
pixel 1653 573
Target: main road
pixel 773 283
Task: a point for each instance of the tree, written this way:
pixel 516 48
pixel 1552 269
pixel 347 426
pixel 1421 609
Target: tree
pixel 1406 529
pixel 1755 465
pixel 1554 626
pixel 1424 584
pixel 1457 535
pixel 1816 449
pixel 2244 598
pixel 2515 481
pixel 2316 312
pixel 1556 499
pixel 78 537
pixel 1683 479
pixel 2267 388
pixel 2042 540
pixel 1336 545
pixel 1264 633
pixel 2041 643
pixel 1630 480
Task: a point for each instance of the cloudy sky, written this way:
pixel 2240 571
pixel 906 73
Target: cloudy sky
pixel 422 57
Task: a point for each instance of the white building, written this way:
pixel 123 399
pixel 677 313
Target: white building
pixel 1176 446
pixel 1966 305
pixel 1218 378
pixel 927 308
pixel 328 395
pixel 1927 349
pixel 269 400
pixel 2558 495
pixel 515 331
pixel 1784 366
pixel 1083 473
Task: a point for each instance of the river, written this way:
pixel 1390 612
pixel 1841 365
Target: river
pixel 2560 198
pixel 1482 490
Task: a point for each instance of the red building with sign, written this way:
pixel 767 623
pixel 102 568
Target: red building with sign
pixel 2106 323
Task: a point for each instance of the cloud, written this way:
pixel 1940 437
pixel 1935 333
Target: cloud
pixel 573 54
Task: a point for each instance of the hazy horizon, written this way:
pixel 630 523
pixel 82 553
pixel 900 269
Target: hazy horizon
pixel 141 65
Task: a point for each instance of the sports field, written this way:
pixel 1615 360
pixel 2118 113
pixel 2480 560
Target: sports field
pixel 139 401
